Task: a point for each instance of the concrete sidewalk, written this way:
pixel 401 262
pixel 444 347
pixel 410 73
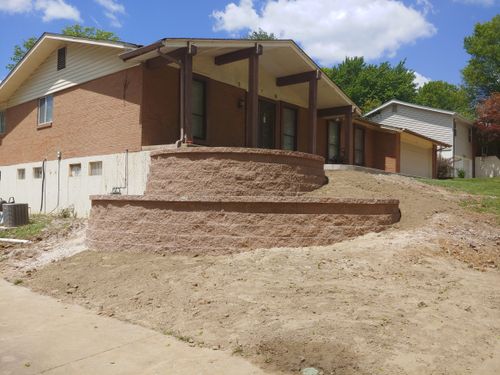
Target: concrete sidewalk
pixel 39 335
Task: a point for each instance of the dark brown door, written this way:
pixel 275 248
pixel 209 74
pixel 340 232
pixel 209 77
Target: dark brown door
pixel 267 123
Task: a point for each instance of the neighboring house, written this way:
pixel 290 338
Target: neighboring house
pixel 444 126
pixel 80 116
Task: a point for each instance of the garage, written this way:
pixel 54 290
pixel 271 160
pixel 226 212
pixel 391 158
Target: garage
pixel 416 156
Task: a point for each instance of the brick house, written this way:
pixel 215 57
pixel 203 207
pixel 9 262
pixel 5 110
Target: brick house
pixel 79 116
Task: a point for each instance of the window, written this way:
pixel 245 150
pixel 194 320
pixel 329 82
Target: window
pixel 199 115
pixel 394 108
pixel 75 170
pixel 61 58
pixel 21 174
pixel 470 135
pixel 359 146
pixel 45 107
pixel 37 172
pixel 95 168
pixel 334 142
pixel 454 129
pixel 2 122
pixel 289 129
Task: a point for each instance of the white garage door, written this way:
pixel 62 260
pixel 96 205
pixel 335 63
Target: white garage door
pixel 415 160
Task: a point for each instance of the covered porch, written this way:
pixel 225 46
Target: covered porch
pixel 239 93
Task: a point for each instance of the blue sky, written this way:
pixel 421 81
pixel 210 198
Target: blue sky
pixel 427 33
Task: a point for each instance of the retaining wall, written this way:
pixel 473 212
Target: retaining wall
pixel 233 224
pixel 224 200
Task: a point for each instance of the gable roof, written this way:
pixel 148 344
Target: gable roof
pixel 281 56
pixel 422 107
pixel 43 47
pixel 397 129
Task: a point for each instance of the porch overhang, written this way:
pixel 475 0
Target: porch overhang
pixel 279 58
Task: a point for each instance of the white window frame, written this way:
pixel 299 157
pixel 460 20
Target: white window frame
pixel 45 120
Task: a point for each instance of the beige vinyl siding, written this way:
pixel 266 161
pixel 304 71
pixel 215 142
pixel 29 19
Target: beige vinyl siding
pixel 83 63
pixel 438 126
pixel 463 148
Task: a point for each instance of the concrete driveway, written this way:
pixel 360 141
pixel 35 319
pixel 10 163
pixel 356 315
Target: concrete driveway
pixel 39 335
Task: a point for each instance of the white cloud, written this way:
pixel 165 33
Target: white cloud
pixel 57 9
pixel 477 2
pixel 112 9
pixel 15 6
pixel 420 80
pixel 330 30
pixel 50 9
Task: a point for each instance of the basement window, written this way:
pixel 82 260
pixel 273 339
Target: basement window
pixel 75 170
pixel 45 109
pixel 2 122
pixel 37 173
pixel 61 58
pixel 95 168
pixel 21 174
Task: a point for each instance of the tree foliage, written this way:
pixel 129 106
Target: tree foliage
pixel 20 50
pixel 482 73
pixel 444 95
pixel 370 85
pixel 488 122
pixel 261 35
pixel 89 32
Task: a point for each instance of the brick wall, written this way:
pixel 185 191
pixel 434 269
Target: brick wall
pixel 382 150
pixel 98 117
pixel 160 109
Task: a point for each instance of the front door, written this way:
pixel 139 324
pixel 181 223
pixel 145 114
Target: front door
pixel 267 122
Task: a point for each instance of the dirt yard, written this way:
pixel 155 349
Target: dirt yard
pixel 421 298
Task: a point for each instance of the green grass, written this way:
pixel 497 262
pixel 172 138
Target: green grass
pixel 485 191
pixel 31 231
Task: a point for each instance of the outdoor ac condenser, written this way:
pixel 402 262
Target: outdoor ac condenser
pixel 15 214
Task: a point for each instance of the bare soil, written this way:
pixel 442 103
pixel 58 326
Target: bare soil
pixel 420 298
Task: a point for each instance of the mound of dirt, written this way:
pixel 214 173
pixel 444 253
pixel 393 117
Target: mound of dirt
pixel 417 201
pixel 417 299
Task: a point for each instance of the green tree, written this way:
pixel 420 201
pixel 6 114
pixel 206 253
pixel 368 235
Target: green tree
pixel 89 32
pixel 20 50
pixel 370 85
pixel 444 95
pixel 261 35
pixel 482 73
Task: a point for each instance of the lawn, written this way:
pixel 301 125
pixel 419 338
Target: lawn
pixel 37 224
pixel 485 192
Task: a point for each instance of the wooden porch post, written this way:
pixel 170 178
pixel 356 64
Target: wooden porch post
pixel 313 115
pixel 252 110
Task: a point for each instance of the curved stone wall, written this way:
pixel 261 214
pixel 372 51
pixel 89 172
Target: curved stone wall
pixel 233 224
pixel 223 171
pixel 224 200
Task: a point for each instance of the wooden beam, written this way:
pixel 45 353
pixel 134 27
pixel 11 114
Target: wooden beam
pixel 298 78
pixel 313 115
pixel 174 57
pixel 335 111
pixel 241 54
pixel 252 107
